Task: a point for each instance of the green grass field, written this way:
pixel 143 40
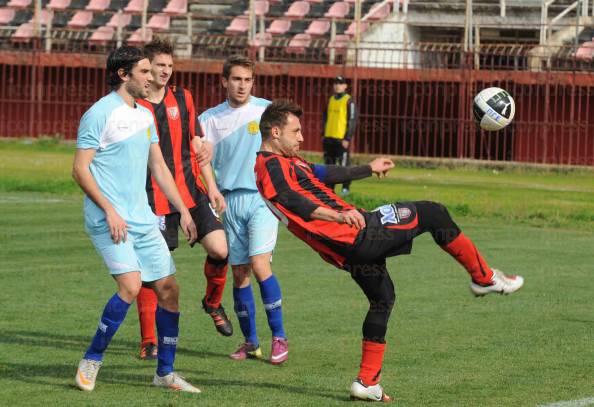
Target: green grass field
pixel 445 347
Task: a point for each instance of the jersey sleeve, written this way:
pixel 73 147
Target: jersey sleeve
pixel 153 134
pixel 202 127
pixel 193 119
pixel 90 129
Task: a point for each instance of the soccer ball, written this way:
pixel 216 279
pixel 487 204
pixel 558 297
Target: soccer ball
pixel 493 109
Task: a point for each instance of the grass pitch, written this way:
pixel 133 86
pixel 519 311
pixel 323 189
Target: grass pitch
pixel 445 348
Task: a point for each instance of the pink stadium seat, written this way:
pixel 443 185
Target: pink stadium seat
pixel 58 4
pixel 261 8
pixel 102 35
pixel 19 4
pixel 262 40
pixel 239 25
pixel 318 27
pixel 298 9
pixel 353 2
pixel 176 7
pixel 338 10
pixel 159 22
pixel 24 32
pixel 134 6
pixel 279 27
pixel 136 37
pixel 340 43
pixel 6 15
pixel 315 1
pixel 299 43
pixel 45 17
pixel 81 19
pixel 119 19
pixel 379 11
pixel 351 30
pixel 586 51
pixel 97 5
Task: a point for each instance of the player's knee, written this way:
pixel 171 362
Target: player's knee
pixel 129 292
pixel 167 293
pixel 241 276
pixel 218 252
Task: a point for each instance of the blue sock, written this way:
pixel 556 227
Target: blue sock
pixel 245 308
pixel 167 333
pixel 113 315
pixel 272 299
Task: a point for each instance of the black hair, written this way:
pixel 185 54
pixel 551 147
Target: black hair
pixel 125 57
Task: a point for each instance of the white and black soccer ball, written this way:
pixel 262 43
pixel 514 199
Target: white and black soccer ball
pixel 493 109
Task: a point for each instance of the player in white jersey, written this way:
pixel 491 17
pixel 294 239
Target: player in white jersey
pixel 116 141
pixel 233 129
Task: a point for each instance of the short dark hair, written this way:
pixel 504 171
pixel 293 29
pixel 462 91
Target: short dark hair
pixel 158 46
pixel 237 60
pixel 276 115
pixel 125 58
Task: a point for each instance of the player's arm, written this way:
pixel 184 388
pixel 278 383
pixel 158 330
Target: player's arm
pixel 203 148
pixel 214 195
pixel 334 174
pixel 351 217
pixel 83 177
pixel 166 182
pixel 351 123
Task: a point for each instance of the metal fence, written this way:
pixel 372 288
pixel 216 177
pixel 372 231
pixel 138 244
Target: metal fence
pixel 408 111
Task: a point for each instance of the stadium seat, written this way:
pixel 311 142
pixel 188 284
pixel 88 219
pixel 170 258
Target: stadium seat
pixel 119 19
pixel 19 4
pixel 80 19
pixel 353 2
pixel 262 40
pixel 97 5
pixel 159 22
pixel 298 44
pixel 102 35
pixel 379 11
pixel 261 8
pixel 351 30
pixel 45 17
pixel 586 51
pixel 338 10
pixel 176 7
pixel 24 32
pixel 6 15
pixel 340 43
pixel 134 6
pixel 298 9
pixel 136 37
pixel 318 27
pixel 279 27
pixel 58 4
pixel 239 25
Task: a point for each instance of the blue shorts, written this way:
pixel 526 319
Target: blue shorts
pixel 250 226
pixel 147 253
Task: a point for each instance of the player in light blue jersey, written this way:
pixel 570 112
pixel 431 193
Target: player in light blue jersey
pixel 116 141
pixel 233 129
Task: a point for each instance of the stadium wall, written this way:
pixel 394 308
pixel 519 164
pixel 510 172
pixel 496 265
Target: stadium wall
pixel 411 112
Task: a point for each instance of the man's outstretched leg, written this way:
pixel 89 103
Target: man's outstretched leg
pixel 434 218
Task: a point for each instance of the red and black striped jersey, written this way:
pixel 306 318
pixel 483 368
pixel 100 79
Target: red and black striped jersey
pixel 292 192
pixel 175 119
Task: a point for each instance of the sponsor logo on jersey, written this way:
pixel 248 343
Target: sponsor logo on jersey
pixel 253 127
pixel 173 112
pixel 162 225
pixel 404 213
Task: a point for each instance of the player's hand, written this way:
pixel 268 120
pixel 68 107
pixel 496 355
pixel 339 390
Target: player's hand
pixel 217 201
pixel 346 144
pixel 117 227
pixel 380 166
pixel 353 218
pixel 189 228
pixel 204 153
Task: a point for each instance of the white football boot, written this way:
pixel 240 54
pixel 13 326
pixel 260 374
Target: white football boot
pixel 368 393
pixel 176 382
pixel 500 284
pixel 87 374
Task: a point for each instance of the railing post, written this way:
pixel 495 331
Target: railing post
pixel 48 32
pixel 119 30
pixel 189 33
pixel 144 15
pixel 502 10
pixel 543 22
pixel 332 41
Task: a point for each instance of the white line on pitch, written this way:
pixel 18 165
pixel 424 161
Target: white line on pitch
pixel 571 403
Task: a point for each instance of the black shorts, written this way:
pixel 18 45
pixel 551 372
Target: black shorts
pixel 389 232
pixel 204 217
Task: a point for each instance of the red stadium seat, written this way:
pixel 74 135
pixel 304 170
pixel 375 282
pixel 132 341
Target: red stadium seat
pixel 261 8
pixel 338 10
pixel 279 27
pixel 135 6
pixel 176 7
pixel 379 11
pixel 81 19
pixel 102 35
pixel 299 43
pixel 239 25
pixel 6 15
pixel 137 39
pixel 98 5
pixel 24 32
pixel 159 22
pixel 19 4
pixel 58 4
pixel 298 9
pixel 318 27
pixel 351 30
pixel 119 19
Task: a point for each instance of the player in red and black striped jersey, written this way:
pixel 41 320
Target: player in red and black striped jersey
pixel 353 239
pixel 175 117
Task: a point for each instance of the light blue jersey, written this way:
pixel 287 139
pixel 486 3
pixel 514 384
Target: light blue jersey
pixel 235 135
pixel 122 136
